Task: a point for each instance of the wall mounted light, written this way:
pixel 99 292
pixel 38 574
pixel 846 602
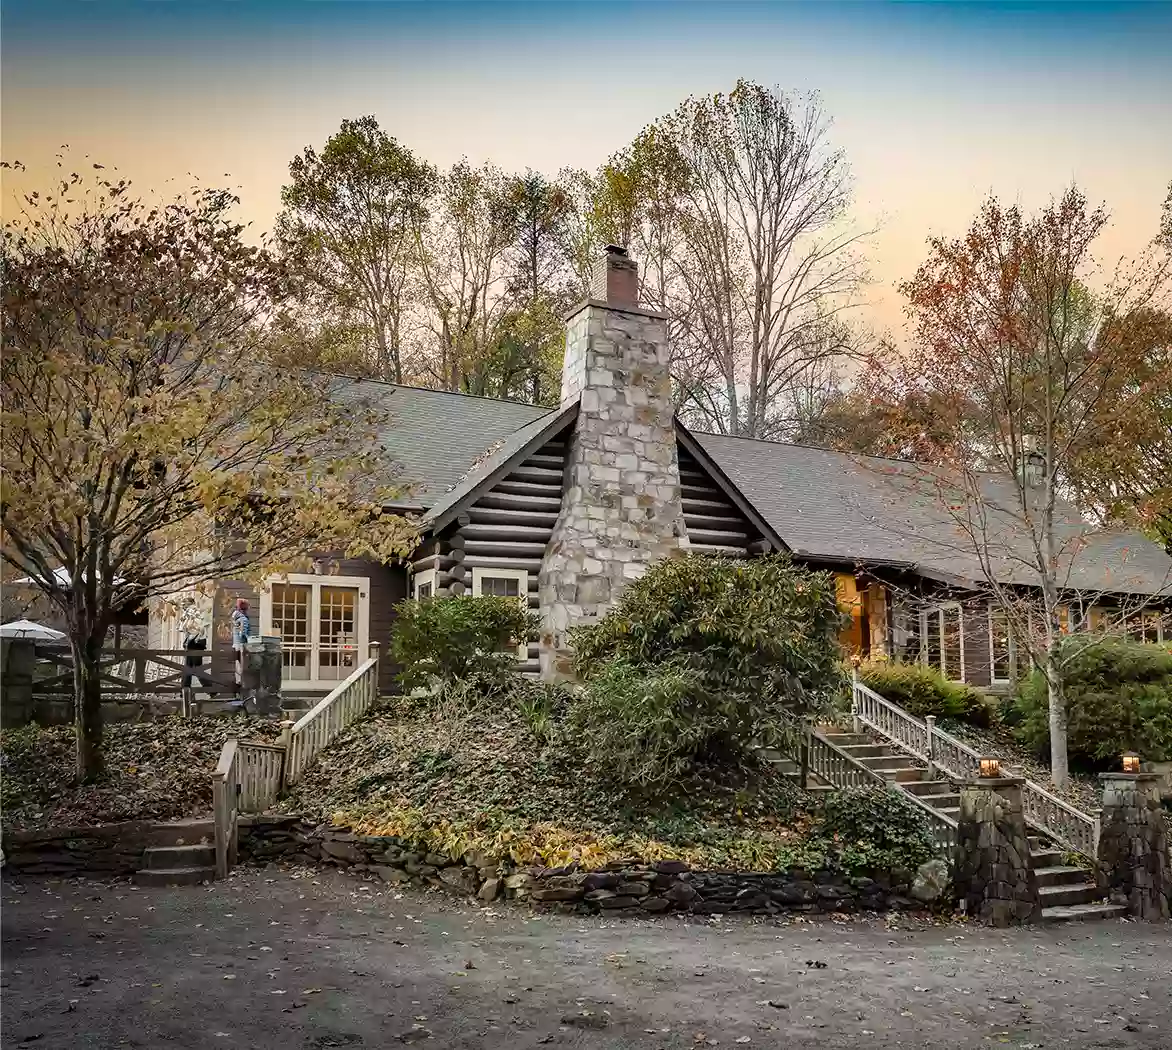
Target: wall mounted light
pixel 990 768
pixel 1130 762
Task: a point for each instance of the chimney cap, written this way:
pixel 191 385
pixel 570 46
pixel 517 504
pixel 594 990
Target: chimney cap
pixel 616 249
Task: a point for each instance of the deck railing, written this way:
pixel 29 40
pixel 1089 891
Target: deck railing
pixel 1044 811
pixel 251 775
pixel 314 730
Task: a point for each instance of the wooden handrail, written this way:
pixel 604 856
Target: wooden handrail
pixel 337 710
pixel 1044 811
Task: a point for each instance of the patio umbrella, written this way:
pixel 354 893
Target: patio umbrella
pixel 63 579
pixel 36 632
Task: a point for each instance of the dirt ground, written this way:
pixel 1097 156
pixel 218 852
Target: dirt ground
pixel 310 960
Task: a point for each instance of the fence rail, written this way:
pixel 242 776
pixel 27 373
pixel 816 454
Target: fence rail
pixel 133 671
pixel 225 806
pixel 1044 811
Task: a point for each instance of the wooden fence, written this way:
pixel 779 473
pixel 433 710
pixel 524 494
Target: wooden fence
pixel 131 671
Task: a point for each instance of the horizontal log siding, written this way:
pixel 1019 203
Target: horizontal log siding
pixel 713 522
pixel 388 586
pixel 507 527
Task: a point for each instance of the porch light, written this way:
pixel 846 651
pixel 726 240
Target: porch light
pixel 990 768
pixel 1130 762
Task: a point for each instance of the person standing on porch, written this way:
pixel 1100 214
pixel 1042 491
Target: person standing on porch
pixel 193 626
pixel 241 629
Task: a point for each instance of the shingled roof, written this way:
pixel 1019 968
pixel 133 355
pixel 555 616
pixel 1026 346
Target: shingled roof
pixel 825 505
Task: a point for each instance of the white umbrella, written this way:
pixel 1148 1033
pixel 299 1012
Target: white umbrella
pixel 37 632
pixel 62 579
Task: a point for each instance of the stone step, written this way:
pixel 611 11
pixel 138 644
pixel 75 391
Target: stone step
pixel 194 831
pixel 927 789
pixel 949 800
pixel 846 739
pixel 190 876
pixel 169 858
pixel 1076 912
pixel 949 811
pixel 1061 875
pixel 1047 858
pixel 901 774
pixel 1084 893
pixel 870 750
pixel 891 762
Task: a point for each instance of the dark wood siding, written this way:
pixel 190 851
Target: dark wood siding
pixel 388 586
pixel 507 527
pixel 975 626
pixel 714 524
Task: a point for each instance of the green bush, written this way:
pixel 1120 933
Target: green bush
pixel 1118 698
pixel 701 657
pixel 925 691
pixel 458 639
pixel 876 828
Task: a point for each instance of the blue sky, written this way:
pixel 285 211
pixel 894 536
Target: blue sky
pixel 935 104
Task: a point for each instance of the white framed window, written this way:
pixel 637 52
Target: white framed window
pixel 942 640
pixel 1001 647
pixel 423 584
pixel 323 623
pixel 504 583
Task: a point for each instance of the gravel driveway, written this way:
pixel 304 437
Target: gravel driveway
pixel 310 960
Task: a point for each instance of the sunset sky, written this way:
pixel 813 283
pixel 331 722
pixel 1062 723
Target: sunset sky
pixel 935 104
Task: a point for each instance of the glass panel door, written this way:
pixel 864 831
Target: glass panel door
pixel 337 633
pixel 291 622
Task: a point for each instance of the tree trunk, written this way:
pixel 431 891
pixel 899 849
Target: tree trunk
pixel 87 705
pixel 1059 771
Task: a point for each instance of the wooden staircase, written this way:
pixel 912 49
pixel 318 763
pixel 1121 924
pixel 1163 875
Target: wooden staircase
pixel 1068 890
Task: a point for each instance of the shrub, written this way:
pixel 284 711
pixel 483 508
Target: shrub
pixel 876 828
pixel 1118 698
pixel 702 657
pixel 925 691
pixel 458 639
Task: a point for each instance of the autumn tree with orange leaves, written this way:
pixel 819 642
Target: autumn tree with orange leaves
pixel 1038 371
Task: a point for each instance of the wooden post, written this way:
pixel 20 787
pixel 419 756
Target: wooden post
pixel 804 755
pixel 931 721
pixel 286 742
pixel 374 648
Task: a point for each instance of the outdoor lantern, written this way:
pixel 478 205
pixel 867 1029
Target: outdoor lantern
pixel 991 768
pixel 1130 762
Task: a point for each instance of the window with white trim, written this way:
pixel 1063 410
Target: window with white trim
pixel 1001 648
pixel 504 583
pixel 942 640
pixel 323 623
pixel 423 584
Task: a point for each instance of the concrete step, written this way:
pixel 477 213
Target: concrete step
pixel 927 789
pixel 195 831
pixel 848 739
pixel 1047 858
pixel 949 811
pixel 1061 875
pixel 948 800
pixel 901 774
pixel 891 762
pixel 171 858
pixel 1083 893
pixel 1076 912
pixel 861 751
pixel 191 876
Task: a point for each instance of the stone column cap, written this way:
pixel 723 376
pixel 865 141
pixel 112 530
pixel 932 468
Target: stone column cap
pixel 638 311
pixel 1142 777
pixel 992 782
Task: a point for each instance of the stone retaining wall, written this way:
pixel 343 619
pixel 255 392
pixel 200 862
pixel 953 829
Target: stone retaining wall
pixel 626 887
pixel 106 850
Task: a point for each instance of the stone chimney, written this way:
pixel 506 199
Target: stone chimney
pixel 621 506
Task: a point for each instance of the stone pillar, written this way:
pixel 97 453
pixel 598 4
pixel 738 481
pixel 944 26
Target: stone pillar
pixel 1133 845
pixel 993 873
pixel 621 502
